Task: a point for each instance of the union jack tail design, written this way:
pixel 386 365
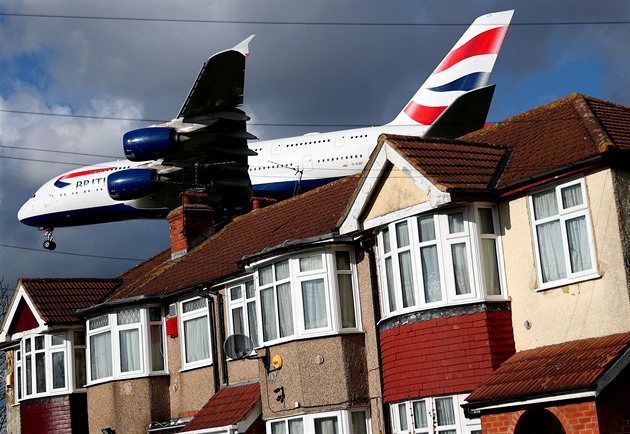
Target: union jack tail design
pixel 466 67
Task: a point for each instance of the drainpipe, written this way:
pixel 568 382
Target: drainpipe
pixel 368 246
pixel 213 334
pixel 224 364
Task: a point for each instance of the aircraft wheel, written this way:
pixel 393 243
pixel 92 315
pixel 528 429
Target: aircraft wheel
pixel 50 245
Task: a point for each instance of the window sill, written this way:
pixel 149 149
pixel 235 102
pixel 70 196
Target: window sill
pixel 567 282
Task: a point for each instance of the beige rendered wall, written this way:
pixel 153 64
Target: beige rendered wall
pixel 587 309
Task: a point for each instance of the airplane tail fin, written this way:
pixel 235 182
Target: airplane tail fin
pixel 466 67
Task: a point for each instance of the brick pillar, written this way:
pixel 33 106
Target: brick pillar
pixel 188 224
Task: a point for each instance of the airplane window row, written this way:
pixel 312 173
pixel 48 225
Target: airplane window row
pixel 359 136
pixel 307 143
pixel 347 157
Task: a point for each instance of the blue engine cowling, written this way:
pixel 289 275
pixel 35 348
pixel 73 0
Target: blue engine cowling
pixel 150 143
pixel 131 184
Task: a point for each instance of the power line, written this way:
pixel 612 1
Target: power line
pixel 299 23
pixel 57 152
pixel 74 254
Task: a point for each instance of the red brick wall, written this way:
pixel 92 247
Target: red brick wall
pixel 58 415
pixel 444 355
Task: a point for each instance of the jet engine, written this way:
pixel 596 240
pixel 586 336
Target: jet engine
pixel 132 184
pixel 151 143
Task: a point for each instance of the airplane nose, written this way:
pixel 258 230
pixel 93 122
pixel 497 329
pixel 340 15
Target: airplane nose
pixel 25 211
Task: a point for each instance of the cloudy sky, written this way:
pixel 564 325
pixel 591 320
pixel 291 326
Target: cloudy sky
pixel 76 75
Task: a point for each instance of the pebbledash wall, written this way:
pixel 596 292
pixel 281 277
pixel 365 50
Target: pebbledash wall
pixel 454 348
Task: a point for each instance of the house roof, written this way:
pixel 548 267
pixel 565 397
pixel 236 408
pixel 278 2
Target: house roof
pixel 57 300
pixel 314 213
pixel 553 370
pixel 564 132
pixel 227 407
pixel 452 164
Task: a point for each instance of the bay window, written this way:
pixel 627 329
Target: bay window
pixel 44 364
pixel 196 339
pixel 562 233
pixel 311 294
pixel 433 415
pixel 332 422
pixel 125 343
pixel 440 258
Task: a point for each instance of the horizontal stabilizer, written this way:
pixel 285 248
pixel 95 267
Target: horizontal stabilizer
pixel 466 114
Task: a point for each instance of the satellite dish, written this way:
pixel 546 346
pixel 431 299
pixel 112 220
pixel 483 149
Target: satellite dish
pixel 238 346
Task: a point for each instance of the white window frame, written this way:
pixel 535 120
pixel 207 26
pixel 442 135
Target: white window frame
pixel 328 273
pixel 241 295
pixel 403 417
pixel 200 312
pixel 344 421
pixel 441 244
pixel 66 347
pixel 563 216
pixel 114 329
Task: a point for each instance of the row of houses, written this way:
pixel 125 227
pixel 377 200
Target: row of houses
pixel 477 285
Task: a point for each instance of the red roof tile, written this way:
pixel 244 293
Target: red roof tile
pixel 57 300
pixel 553 369
pixel 315 213
pixel 564 132
pixel 452 164
pixel 227 407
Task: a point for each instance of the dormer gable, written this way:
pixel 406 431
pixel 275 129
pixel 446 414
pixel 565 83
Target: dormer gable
pixel 21 316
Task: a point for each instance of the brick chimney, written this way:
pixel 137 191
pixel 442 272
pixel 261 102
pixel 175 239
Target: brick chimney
pixel 188 224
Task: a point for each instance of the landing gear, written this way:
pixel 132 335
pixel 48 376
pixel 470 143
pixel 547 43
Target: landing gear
pixel 49 244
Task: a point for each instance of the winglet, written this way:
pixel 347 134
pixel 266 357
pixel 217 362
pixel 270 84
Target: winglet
pixel 243 47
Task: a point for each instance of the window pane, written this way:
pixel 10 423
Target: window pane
pixel 326 425
pixel 28 374
pixel 456 223
pixel 402 234
pixel 40 372
pixel 58 370
pixel 79 338
pixel 56 340
pixel 285 310
pixel 39 342
pixel 79 367
pixel 249 289
pixel 314 304
pixel 155 314
pixel 486 225
pixel 311 263
pixel 359 422
pixel 571 196
pixel 490 266
pixel 391 290
pixel 128 316
pixel 550 250
pixel 252 322
pixel 386 244
pixel 278 428
pixel 27 345
pixel 98 322
pixel 343 260
pixel 237 320
pixel 235 292
pixel 157 348
pixel 579 252
pixel 282 269
pixel 445 412
pixel 402 417
pixel 431 274
pixel 269 318
pixel 406 279
pixel 196 304
pixel 419 414
pixel 196 339
pixel 346 300
pixel 19 382
pixel 426 228
pixel 460 269
pixel 296 426
pixel 129 350
pixel 265 275
pixel 545 204
pixel 101 356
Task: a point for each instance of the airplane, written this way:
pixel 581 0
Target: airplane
pixel 205 148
